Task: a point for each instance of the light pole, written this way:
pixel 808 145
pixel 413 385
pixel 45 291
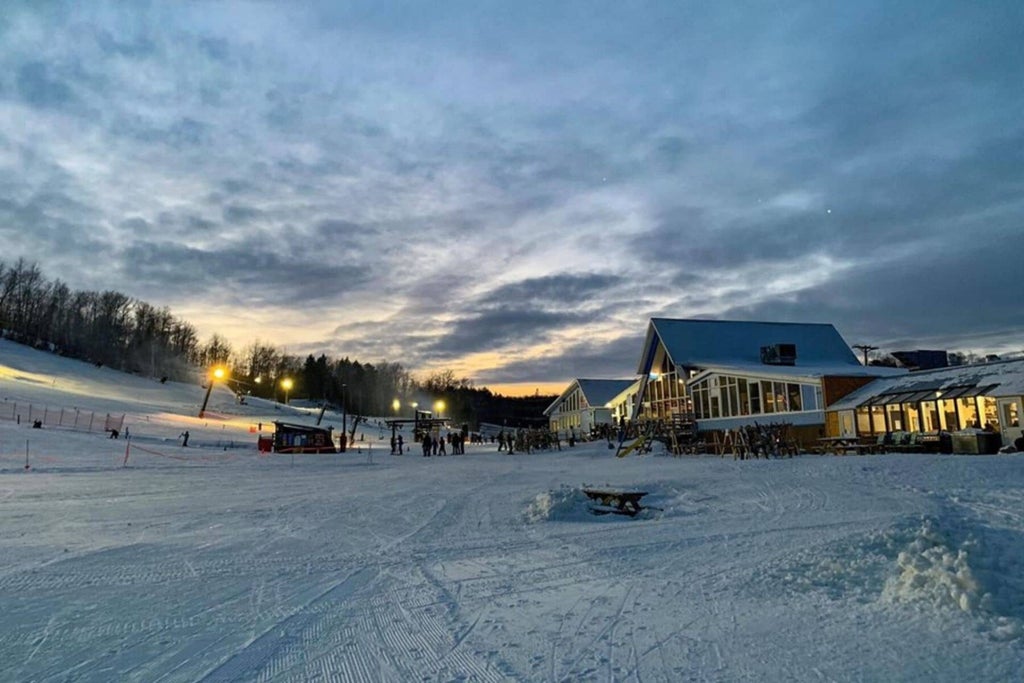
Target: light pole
pixel 286 384
pixel 217 373
pixel 344 415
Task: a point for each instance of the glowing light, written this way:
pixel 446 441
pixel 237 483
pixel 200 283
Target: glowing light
pixel 396 405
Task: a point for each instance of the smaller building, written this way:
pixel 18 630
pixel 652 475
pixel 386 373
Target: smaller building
pixel 922 359
pixel 584 405
pixel 297 438
pixel 986 396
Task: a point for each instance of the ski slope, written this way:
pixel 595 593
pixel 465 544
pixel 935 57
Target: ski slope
pixel 213 563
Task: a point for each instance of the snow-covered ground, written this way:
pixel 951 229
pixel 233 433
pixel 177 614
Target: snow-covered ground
pixel 215 563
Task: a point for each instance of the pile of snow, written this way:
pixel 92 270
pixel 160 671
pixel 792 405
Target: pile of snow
pixel 570 504
pixel 931 571
pixel 563 504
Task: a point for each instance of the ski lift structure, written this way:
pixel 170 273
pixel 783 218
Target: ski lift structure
pixel 422 423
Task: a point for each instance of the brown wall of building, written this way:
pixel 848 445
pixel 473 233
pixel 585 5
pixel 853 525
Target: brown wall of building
pixel 834 388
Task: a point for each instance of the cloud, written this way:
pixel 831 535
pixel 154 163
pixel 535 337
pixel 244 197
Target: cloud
pixel 516 192
pixel 41 89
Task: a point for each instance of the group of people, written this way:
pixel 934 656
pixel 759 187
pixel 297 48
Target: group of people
pixel 530 440
pixel 440 444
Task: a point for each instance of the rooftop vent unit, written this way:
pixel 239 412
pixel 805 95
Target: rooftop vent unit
pixel 779 354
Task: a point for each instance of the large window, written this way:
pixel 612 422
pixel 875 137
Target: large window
pixel 728 396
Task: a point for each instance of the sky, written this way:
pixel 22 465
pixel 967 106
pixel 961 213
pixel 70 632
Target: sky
pixel 511 190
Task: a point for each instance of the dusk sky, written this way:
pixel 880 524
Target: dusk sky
pixel 512 189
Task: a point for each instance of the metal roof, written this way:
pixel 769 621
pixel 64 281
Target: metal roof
pixel 705 343
pixel 597 391
pixel 1001 378
pixel 801 371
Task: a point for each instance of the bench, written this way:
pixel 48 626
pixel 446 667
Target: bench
pixel 615 502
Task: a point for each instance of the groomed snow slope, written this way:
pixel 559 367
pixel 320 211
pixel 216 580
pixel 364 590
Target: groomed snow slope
pixel 217 564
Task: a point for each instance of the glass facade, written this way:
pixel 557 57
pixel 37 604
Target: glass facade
pixel 666 389
pixel 718 396
pixel 928 411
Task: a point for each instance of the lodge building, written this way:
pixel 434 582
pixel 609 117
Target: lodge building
pixel 987 397
pixel 585 404
pixel 726 374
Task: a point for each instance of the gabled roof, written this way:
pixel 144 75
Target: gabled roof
pixel 600 391
pixel 597 391
pixel 707 343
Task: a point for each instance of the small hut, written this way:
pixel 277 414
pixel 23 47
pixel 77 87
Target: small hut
pixel 296 438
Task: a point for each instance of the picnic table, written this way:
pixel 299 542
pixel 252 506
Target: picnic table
pixel 841 445
pixel 615 502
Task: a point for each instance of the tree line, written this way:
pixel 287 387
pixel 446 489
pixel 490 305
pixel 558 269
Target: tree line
pixel 112 329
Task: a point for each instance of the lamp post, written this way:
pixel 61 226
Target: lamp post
pixel 344 415
pixel 286 384
pixel 217 373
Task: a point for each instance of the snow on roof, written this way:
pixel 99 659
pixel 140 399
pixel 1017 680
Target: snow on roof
pixel 815 371
pixel 1006 376
pixel 704 343
pixel 598 392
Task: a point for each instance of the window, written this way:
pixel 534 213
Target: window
pixel 895 417
pixel 768 398
pixel 744 398
pixel 793 393
pixel 807 396
pixel 781 405
pixel 755 398
pixel 863 421
pixel 1011 414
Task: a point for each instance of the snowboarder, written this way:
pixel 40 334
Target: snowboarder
pixel 184 439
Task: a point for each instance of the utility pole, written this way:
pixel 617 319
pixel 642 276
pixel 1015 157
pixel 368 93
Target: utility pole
pixel 866 348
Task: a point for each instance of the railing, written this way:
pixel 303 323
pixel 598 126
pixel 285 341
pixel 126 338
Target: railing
pixel 67 418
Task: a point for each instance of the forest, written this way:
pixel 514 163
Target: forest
pixel 112 329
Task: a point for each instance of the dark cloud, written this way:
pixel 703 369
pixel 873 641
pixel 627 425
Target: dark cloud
pixel 504 326
pixel 239 275
pixel 435 182
pixel 239 214
pixel 551 291
pixel 614 359
pixel 39 87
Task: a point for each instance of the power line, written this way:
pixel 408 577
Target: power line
pixel 866 348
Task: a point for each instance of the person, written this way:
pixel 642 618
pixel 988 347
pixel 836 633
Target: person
pixel 394 445
pixel 440 445
pixel 114 433
pixel 1018 443
pixel 401 443
pixel 184 439
pixel 426 445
